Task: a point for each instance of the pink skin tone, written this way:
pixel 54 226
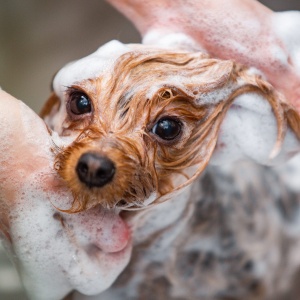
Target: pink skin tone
pixel 97 243
pixel 47 245
pixel 243 30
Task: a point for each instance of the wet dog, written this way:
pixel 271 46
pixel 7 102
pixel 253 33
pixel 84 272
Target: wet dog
pixel 140 126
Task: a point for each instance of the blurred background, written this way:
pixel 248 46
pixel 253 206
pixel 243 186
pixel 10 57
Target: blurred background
pixel 37 38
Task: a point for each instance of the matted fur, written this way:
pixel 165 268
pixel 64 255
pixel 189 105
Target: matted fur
pixel 144 87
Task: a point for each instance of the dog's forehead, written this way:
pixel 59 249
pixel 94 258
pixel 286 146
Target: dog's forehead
pixel 89 67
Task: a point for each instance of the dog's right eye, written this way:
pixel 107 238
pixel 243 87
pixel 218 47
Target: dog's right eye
pixel 80 103
pixel 167 129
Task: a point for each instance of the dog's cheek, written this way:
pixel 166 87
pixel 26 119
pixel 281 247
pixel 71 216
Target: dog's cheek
pixel 66 167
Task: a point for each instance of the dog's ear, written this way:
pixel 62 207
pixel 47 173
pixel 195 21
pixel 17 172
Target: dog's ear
pixel 50 109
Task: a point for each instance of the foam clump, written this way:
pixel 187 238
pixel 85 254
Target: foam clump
pixel 249 131
pixel 91 66
pixel 286 25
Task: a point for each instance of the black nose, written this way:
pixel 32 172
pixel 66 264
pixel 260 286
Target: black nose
pixel 95 170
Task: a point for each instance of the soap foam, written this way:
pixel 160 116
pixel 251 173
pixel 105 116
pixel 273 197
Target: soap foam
pixel 286 25
pixel 171 41
pixel 89 67
pixel 249 130
pixel 84 252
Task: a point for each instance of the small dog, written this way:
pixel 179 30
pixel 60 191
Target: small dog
pixel 141 125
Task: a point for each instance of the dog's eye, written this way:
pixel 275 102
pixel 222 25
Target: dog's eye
pixel 80 103
pixel 167 128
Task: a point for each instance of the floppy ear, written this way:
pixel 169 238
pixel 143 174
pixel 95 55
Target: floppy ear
pixel 50 109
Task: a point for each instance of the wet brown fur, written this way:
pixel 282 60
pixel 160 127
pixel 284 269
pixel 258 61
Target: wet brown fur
pixel 125 110
pixel 51 106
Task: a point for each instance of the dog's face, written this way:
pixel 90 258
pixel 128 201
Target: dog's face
pixel 142 122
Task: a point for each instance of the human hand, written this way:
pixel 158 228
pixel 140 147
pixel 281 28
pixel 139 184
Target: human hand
pixel 55 252
pixel 244 31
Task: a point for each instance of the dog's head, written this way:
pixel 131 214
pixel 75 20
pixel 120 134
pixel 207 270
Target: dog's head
pixel 142 122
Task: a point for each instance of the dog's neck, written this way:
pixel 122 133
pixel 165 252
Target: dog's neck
pixel 161 218
pixel 219 242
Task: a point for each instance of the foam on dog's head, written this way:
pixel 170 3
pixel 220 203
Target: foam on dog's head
pixel 130 91
pixel 92 66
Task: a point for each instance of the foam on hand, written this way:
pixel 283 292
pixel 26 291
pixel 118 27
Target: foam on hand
pixel 55 252
pixel 246 32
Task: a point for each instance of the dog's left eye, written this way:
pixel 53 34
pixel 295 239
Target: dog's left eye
pixel 80 104
pixel 167 128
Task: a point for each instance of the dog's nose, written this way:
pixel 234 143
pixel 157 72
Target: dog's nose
pixel 95 170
